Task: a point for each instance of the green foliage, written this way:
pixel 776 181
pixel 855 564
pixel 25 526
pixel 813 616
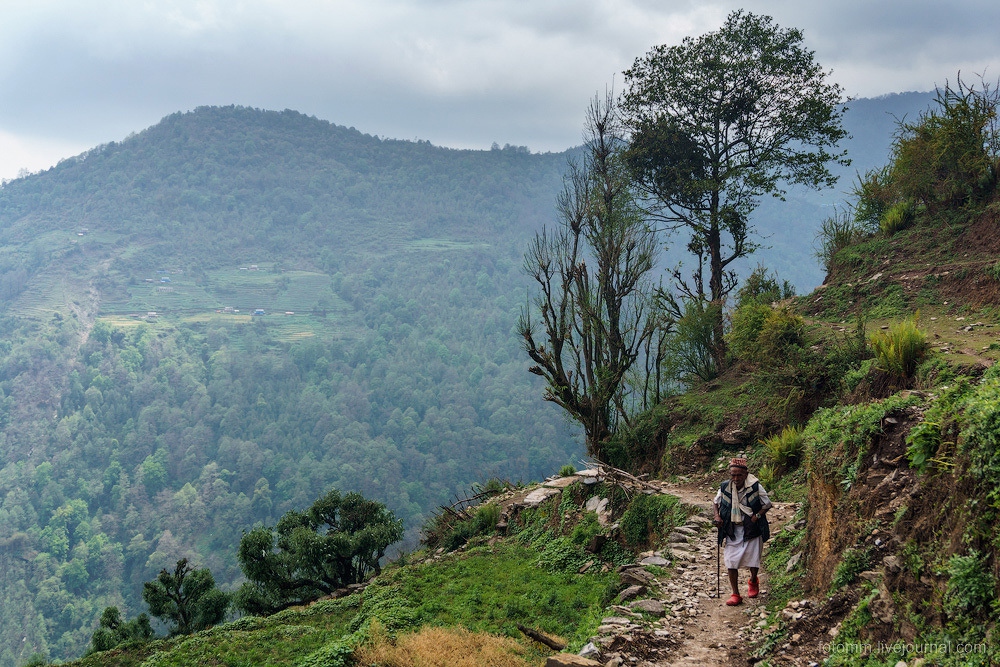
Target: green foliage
pixel 491 590
pixel 838 232
pixel 563 554
pixel 922 443
pixel 766 335
pixel 338 541
pixel 186 599
pixel 567 470
pixel 114 631
pixel 784 585
pixel 766 474
pixel 897 218
pixel 853 377
pixel 784 447
pixel 874 194
pixel 993 271
pixel 782 333
pixel 705 145
pixel 746 324
pixel 970 594
pixel 837 438
pixel 381 382
pixel 690 346
pixel 762 286
pixel 649 518
pixel 853 562
pixel 900 349
pixel 947 157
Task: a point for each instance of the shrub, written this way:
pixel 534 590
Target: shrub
pixel 764 334
pixel 562 555
pixel 852 378
pixel 649 517
pixel 922 443
pixel 835 233
pixel 567 470
pixel 486 518
pixel 766 475
pixel 114 631
pixel 852 563
pixel 900 349
pixel 970 590
pixel 897 218
pixel 746 324
pixel 784 447
pixel 993 271
pixel 762 286
pixel 782 331
pixel 948 156
pixel 874 194
pixel 451 530
pixel 689 348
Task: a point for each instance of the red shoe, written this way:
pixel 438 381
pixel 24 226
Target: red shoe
pixel 753 588
pixel 734 600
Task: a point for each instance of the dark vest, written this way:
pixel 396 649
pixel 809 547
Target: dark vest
pixel 750 529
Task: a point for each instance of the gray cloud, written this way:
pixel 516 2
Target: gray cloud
pixel 460 73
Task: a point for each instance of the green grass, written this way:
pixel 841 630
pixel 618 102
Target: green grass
pixel 491 589
pixel 900 349
pixel 485 589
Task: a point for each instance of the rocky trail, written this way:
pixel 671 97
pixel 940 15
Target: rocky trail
pixel 676 618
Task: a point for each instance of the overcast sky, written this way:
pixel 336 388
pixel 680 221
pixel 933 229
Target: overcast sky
pixel 461 73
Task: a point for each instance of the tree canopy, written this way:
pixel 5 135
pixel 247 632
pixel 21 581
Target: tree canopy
pixel 717 122
pixel 185 598
pixel 338 541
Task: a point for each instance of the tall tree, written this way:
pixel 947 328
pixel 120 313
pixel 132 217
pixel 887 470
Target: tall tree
pixel 594 305
pixel 716 123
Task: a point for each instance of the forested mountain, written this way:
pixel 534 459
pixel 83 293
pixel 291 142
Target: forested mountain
pixel 146 414
pixel 389 275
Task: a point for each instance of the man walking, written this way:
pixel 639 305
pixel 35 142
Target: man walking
pixel 740 506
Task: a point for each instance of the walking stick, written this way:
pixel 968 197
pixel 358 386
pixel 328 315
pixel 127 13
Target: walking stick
pixel 718 591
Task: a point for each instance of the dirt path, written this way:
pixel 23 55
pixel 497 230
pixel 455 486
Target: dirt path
pixel 713 635
pixel 693 626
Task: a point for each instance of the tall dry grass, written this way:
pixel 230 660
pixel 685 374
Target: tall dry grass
pixel 441 647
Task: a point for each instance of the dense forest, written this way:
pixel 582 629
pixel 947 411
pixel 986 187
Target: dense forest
pixel 147 416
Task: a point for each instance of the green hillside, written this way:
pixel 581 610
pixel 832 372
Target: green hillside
pixel 385 361
pixel 389 278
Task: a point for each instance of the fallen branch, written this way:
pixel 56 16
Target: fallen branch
pixel 541 639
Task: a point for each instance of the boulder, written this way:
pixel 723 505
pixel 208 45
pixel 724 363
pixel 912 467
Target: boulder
pixel 658 561
pixel 539 496
pixel 635 576
pixel 631 592
pixel 652 607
